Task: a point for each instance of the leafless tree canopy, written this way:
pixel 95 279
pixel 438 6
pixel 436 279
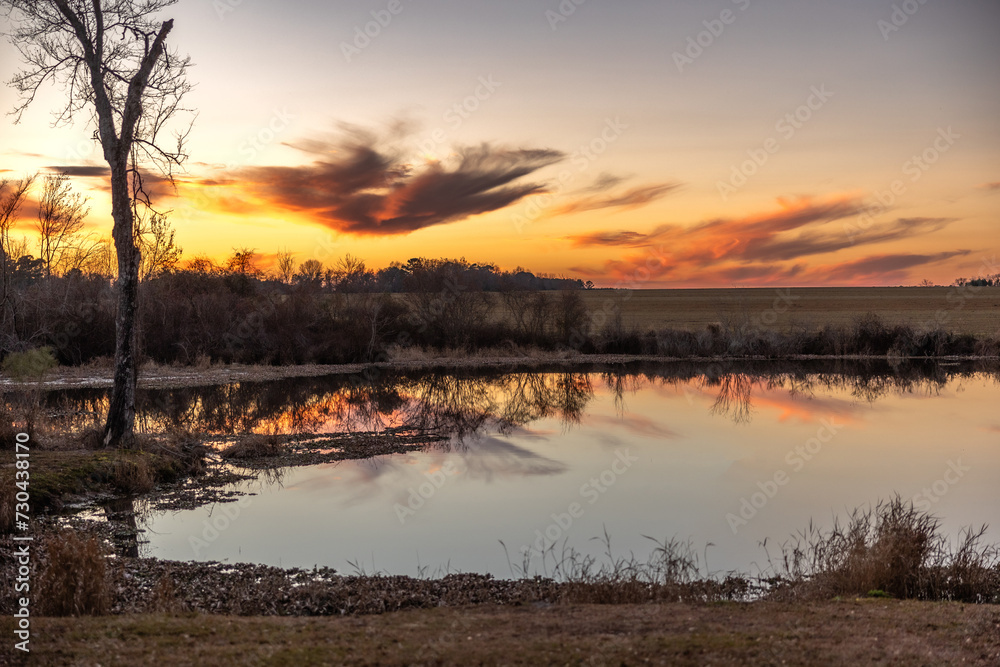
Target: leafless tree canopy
pixel 61 213
pixel 286 266
pixel 156 240
pixel 60 41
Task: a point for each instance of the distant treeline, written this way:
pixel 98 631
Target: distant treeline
pixel 235 312
pixel 196 317
pixel 986 281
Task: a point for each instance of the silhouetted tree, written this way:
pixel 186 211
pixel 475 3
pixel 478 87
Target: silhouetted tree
pixel 286 266
pixel 111 58
pixel 11 200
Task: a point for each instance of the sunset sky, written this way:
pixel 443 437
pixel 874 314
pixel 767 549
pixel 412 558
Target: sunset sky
pixel 691 143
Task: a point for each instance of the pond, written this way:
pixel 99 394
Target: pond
pixel 530 464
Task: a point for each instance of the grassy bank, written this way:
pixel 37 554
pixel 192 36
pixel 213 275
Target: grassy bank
pixel 844 632
pixel 71 469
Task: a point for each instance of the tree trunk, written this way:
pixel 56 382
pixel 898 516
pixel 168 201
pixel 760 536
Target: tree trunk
pixel 120 427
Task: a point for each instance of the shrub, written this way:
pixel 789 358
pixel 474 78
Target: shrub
pixel 29 365
pixel 869 335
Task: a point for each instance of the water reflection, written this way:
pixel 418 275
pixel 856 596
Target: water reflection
pixel 656 450
pixel 516 448
pixel 455 406
pixel 121 516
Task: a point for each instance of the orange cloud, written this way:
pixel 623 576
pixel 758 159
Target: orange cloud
pixel 764 248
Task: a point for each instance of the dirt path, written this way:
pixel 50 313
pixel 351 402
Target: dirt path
pixel 851 632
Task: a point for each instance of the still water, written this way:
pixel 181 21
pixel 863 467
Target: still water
pixel 721 456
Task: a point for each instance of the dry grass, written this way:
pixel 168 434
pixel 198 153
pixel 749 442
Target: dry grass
pixel 254 446
pixel 851 632
pixel 807 308
pixel 893 549
pixel 511 351
pixel 132 473
pixel 7 504
pixel 73 578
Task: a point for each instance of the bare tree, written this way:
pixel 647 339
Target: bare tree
pixel 12 196
pixel 310 272
pixel 155 239
pixel 83 254
pixel 242 262
pixel 286 266
pixel 100 260
pixel 111 58
pixel 61 213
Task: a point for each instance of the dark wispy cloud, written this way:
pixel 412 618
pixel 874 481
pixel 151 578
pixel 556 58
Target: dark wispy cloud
pixel 638 196
pixel 82 171
pixel 364 186
pixel 604 182
pixel 885 267
pixel 991 186
pixel 817 242
pixel 156 185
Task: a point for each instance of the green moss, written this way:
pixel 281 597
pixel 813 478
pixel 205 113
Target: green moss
pixel 56 475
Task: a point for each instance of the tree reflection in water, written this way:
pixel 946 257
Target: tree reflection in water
pixel 455 405
pixel 125 531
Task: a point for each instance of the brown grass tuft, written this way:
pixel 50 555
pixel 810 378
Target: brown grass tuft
pixel 132 473
pixel 254 446
pixel 73 578
pixel 896 549
pixel 7 503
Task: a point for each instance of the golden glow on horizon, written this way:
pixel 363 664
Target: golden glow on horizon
pixel 688 129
